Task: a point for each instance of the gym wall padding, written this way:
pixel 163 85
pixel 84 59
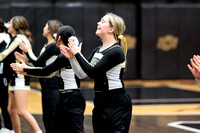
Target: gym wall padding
pixel 5 12
pixel 189 36
pixel 177 23
pixel 26 10
pixel 128 13
pixel 43 13
pixel 37 15
pixel 167 65
pixel 148 41
pixel 93 12
pixel 71 14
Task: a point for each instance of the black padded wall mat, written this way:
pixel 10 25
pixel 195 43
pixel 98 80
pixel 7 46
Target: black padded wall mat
pixel 93 12
pixel 189 36
pixel 128 12
pixel 43 13
pixel 148 49
pixel 5 12
pixel 71 14
pixel 167 65
pixel 28 11
pixel 169 39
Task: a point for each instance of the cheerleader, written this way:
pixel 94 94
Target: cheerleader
pixel 49 52
pixel 19 84
pixel 112 104
pixel 70 110
pixel 4 42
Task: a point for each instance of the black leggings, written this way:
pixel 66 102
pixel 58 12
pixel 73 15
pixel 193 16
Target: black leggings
pixel 112 112
pixel 4 102
pixel 70 112
pixel 50 100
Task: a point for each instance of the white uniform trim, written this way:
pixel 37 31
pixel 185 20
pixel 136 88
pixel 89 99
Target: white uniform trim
pixel 51 59
pixel 19 85
pixel 32 55
pixel 112 75
pixel 12 46
pixel 4 37
pixel 68 77
pixel 77 69
pixel 48 76
pixel 24 39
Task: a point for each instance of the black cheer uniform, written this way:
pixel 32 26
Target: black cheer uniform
pixel 17 81
pixel 4 42
pixel 71 107
pixel 112 105
pixel 50 93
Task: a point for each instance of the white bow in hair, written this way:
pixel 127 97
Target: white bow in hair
pixel 6 25
pixel 75 39
pixel 54 35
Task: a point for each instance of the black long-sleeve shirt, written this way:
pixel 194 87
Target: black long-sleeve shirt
pixel 62 64
pixel 105 67
pixel 8 57
pixel 47 55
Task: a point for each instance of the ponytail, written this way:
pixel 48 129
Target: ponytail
pixel 123 43
pixel 119 26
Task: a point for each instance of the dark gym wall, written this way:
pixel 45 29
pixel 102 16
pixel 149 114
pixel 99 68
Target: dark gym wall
pixel 189 34
pixel 169 39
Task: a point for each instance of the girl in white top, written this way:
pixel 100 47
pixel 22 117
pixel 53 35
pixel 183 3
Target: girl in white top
pixel 19 84
pixel 4 42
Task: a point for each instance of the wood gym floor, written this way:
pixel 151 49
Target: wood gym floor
pixel 159 106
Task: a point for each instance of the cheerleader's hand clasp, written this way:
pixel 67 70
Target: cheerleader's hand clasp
pixel 19 68
pixel 20 57
pixel 66 51
pixel 73 46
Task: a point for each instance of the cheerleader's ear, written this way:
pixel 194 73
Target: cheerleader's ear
pixel 59 41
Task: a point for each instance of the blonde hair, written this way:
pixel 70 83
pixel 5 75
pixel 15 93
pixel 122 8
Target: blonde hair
pixel 20 24
pixel 119 26
pixel 53 26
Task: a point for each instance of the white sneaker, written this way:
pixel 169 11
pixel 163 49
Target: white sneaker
pixel 5 130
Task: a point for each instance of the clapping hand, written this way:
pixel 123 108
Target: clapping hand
pixel 66 52
pixel 19 68
pixel 195 66
pixel 74 48
pixel 20 57
pixel 71 50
